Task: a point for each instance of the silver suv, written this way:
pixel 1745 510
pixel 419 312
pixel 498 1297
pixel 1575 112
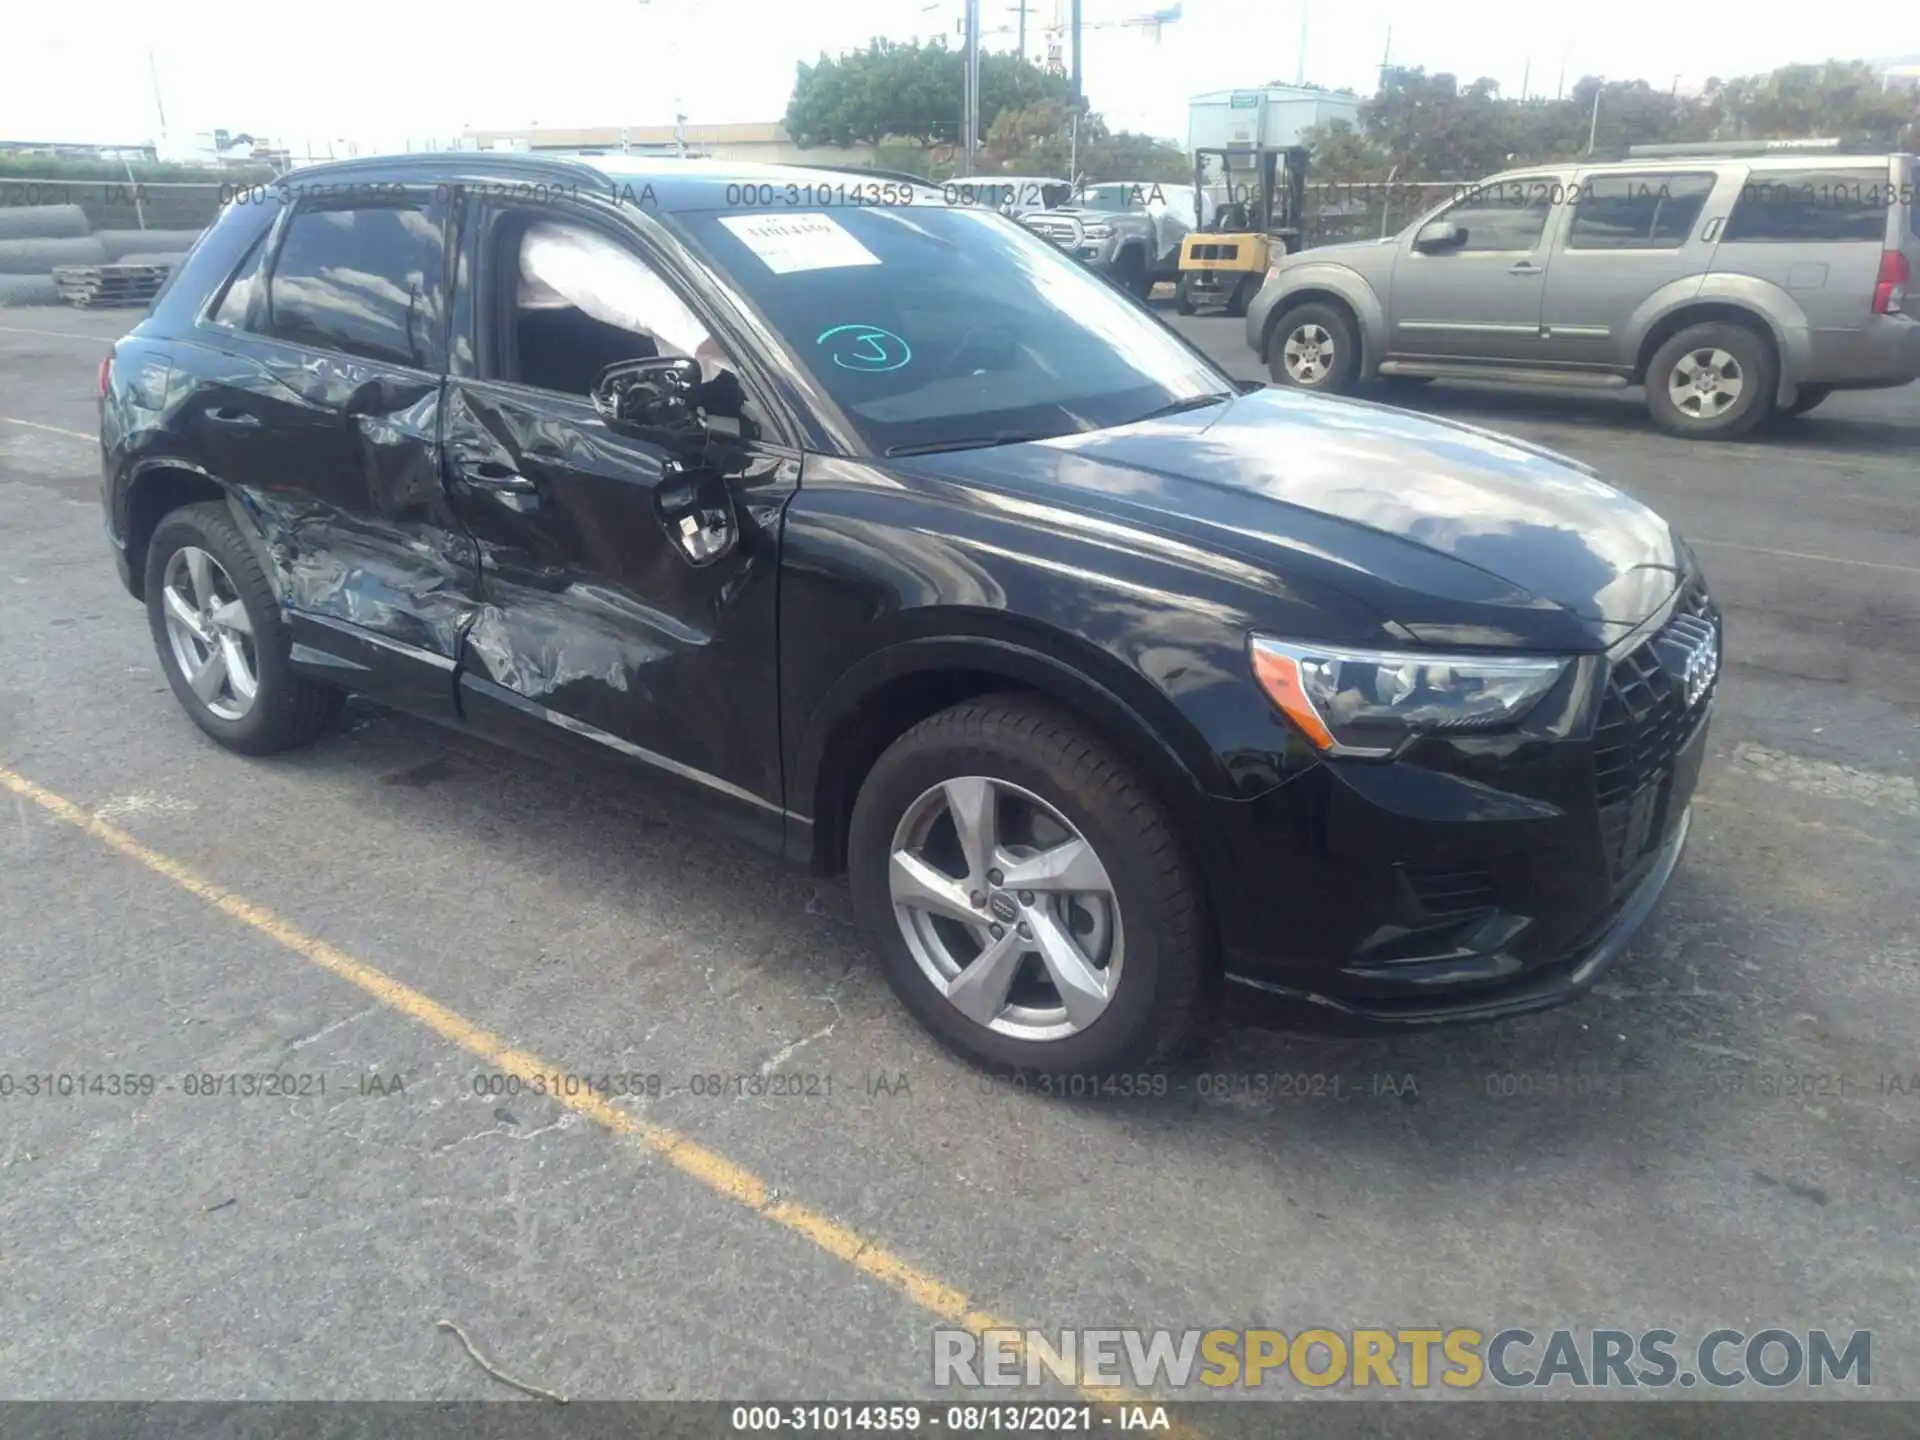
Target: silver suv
pixel 1733 281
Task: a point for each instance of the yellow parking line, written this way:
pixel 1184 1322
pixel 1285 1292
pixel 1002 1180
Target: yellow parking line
pixel 50 429
pixel 712 1170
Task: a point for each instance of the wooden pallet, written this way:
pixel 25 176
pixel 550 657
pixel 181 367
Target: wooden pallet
pixel 103 286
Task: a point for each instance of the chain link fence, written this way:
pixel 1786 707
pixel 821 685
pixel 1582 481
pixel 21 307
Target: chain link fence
pixel 1342 210
pixel 1336 210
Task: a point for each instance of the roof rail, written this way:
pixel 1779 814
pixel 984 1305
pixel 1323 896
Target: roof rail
pixel 1735 147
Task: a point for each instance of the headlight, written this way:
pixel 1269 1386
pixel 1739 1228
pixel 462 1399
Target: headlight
pixel 1098 232
pixel 1369 703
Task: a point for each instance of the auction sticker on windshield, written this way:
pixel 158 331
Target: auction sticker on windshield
pixel 789 243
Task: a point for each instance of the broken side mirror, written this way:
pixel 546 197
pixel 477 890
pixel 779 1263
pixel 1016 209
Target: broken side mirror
pixel 657 394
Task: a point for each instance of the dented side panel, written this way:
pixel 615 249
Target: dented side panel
pixel 595 625
pixel 336 461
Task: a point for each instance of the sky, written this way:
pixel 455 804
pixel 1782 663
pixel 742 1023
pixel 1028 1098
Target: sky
pixel 383 73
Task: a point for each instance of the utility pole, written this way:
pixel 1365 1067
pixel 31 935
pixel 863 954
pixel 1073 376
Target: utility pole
pixel 1386 58
pixel 1073 25
pixel 1593 130
pixel 1073 120
pixel 1023 30
pixel 1560 91
pixel 970 84
pixel 1300 67
pixel 1526 79
pixel 153 74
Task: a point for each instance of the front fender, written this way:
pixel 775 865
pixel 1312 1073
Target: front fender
pixel 1345 284
pixel 884 576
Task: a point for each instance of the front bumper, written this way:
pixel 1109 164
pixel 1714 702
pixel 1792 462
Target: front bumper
pixel 1472 878
pixel 1278 1006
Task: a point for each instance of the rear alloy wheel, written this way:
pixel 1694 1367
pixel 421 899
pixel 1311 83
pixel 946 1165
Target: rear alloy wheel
pixel 216 625
pixel 1313 349
pixel 1711 382
pixel 210 634
pixel 1030 901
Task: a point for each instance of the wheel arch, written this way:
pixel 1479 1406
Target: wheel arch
pixel 892 689
pixel 1323 284
pixel 154 490
pixel 1788 341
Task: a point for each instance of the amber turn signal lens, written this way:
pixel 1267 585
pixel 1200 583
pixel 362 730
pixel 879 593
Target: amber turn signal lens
pixel 1279 676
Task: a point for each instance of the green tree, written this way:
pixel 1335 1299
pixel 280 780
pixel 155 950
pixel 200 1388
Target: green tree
pixel 893 92
pixel 1339 151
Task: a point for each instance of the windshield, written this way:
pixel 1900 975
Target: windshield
pixel 930 325
pixel 1114 197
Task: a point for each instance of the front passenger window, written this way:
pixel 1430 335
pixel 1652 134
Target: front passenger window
pixel 583 302
pixel 1509 215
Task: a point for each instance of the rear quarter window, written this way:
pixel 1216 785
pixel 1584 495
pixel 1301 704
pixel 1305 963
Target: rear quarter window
pixel 1813 206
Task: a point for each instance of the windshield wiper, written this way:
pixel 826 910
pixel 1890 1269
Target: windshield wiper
pixel 976 442
pixel 1192 402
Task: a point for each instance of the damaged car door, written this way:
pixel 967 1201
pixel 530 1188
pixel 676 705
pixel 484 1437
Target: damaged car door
pixel 323 417
pixel 624 490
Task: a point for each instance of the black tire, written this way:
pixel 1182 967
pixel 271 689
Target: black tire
pixel 1809 397
pixel 1341 373
pixel 1028 743
pixel 288 709
pixel 1242 296
pixel 1758 373
pixel 1183 296
pixel 1130 273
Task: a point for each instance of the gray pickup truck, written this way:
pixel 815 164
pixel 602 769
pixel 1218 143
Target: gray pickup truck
pixel 1127 230
pixel 1732 285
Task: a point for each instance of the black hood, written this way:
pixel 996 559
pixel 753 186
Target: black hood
pixel 1522 525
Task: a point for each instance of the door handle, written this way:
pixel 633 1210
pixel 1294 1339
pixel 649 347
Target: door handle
pixel 491 475
pixel 236 419
pixel 508 485
pixel 1525 267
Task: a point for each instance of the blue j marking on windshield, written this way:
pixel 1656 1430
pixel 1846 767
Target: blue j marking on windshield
pixel 866 347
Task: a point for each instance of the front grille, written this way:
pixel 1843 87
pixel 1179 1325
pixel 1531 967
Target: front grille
pixel 1644 720
pixel 1059 232
pixel 1451 892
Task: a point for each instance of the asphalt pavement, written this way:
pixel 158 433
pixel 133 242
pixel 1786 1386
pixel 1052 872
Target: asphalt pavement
pixel 411 926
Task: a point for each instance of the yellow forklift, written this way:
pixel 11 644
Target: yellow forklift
pixel 1249 205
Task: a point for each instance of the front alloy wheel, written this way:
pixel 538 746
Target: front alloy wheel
pixel 1006 908
pixel 1308 353
pixel 1030 899
pixel 1313 347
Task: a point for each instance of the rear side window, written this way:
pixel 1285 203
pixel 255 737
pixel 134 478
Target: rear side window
pixel 236 305
pixel 365 282
pixel 1638 212
pixel 1812 206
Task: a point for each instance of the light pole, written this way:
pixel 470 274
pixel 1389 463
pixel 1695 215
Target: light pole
pixel 679 116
